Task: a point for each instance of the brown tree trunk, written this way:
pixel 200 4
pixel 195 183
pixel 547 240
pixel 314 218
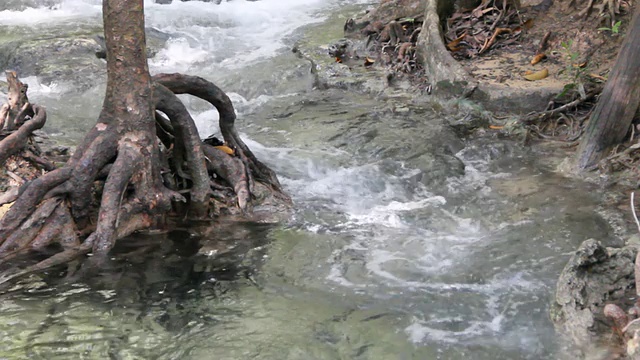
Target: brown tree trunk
pixel 612 116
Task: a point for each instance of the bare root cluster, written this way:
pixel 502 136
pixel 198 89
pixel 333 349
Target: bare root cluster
pixel 395 43
pixel 120 180
pixel 493 24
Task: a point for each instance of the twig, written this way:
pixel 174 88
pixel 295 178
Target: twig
pixel 635 321
pixel 492 40
pixel 636 265
pixel 557 110
pixel 543 43
pixel 633 210
pixel 500 15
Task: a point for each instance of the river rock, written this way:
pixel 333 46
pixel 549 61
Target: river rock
pixel 594 276
pixel 70 58
pixel 387 11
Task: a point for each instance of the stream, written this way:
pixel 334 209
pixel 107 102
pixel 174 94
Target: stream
pixel 408 240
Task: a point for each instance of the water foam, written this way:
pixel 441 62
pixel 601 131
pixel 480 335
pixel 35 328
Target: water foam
pixel 230 35
pixel 49 16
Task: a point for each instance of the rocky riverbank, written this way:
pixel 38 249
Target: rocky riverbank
pixel 380 54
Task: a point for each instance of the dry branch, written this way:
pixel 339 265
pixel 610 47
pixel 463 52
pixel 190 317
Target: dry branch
pixel 15 142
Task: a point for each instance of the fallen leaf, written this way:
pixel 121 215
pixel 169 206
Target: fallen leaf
pixel 4 209
pixel 598 77
pixel 536 59
pixel 453 44
pixel 368 61
pixel 226 149
pixel 538 75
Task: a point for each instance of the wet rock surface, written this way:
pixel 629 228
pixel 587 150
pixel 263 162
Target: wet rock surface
pixel 72 56
pixel 594 276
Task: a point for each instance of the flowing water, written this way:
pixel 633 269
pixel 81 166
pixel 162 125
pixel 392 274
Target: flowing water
pixel 386 256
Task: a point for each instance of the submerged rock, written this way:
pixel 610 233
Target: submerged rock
pixel 594 276
pixel 69 57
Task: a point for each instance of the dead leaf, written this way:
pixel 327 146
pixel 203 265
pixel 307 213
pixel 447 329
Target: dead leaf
pixel 538 75
pixel 598 77
pixel 453 44
pixel 226 149
pixel 4 209
pixel 536 59
pixel 368 61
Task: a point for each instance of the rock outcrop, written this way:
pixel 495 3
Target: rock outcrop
pixel 594 276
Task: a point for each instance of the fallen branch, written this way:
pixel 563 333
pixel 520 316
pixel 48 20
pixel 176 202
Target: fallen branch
pixel 493 38
pixel 18 140
pixel 633 210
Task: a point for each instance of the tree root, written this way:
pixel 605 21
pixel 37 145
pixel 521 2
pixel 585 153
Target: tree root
pixel 187 142
pixel 392 43
pixel 201 88
pixel 613 7
pixel 231 170
pixel 139 178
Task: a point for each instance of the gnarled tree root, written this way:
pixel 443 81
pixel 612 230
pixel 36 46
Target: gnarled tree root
pixel 139 178
pixel 206 90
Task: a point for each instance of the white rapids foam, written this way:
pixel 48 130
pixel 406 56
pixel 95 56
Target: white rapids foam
pixel 48 16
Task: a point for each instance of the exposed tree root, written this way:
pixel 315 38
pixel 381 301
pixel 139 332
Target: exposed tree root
pixel 137 179
pixel 391 42
pixel 199 87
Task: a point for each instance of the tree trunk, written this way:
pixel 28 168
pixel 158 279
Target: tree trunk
pixel 612 116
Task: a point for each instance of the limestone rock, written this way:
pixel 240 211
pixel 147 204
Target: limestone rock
pixel 594 276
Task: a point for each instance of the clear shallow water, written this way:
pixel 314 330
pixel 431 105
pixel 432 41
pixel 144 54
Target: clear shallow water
pixel 375 264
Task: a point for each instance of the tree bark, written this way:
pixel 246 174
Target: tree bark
pixel 609 123
pixel 444 72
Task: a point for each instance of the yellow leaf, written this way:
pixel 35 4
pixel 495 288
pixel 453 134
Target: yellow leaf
pixel 453 45
pixel 4 208
pixel 539 57
pixel 226 149
pixel 598 77
pixel 538 75
pixel 368 61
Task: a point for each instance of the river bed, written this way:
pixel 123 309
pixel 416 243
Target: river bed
pixel 407 241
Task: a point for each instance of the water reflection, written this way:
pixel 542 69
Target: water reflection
pixel 153 289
